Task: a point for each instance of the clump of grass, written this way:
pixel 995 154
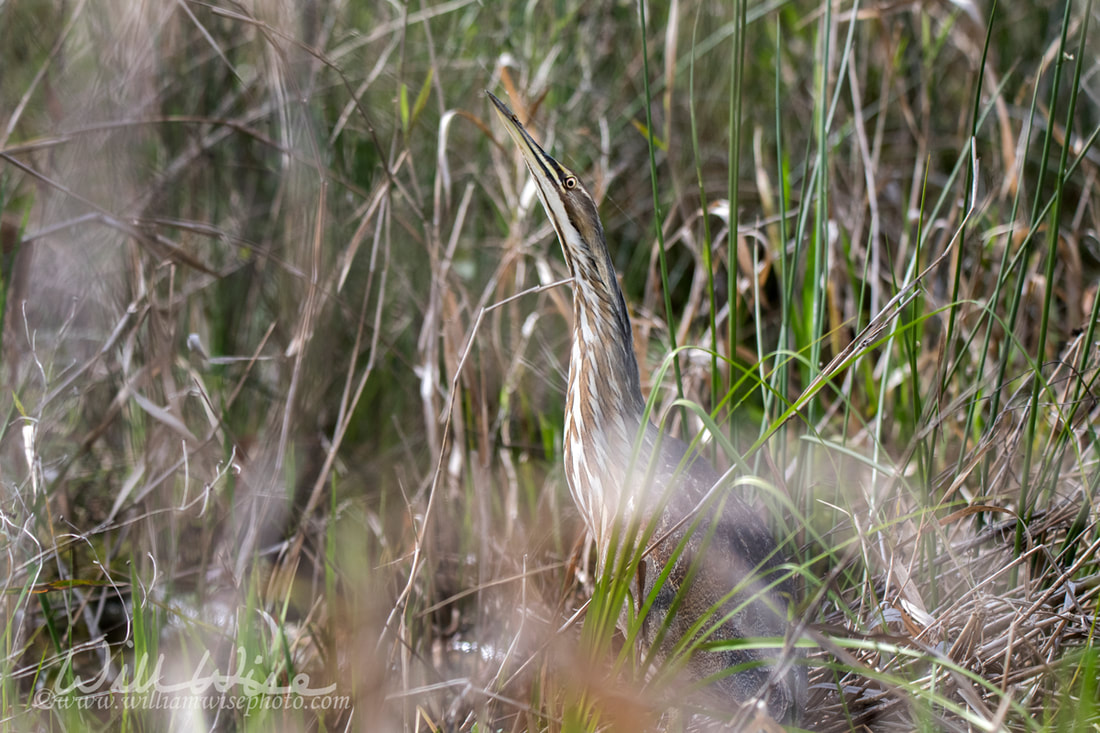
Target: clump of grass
pixel 283 360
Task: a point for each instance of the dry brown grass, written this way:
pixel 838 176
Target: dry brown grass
pixel 283 357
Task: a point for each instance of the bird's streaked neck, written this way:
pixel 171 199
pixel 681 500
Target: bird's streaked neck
pixel 603 370
pixel 604 405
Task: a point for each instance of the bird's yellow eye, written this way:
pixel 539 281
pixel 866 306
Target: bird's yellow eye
pixel 570 182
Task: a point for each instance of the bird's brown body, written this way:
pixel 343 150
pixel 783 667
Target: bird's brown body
pixel 623 472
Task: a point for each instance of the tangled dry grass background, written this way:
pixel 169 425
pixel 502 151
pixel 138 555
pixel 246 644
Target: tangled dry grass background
pixel 283 372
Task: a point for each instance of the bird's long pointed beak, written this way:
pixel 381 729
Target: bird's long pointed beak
pixel 541 164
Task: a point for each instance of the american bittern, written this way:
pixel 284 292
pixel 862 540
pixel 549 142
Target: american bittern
pixel 727 575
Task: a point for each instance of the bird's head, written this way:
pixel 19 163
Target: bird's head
pixel 568 205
